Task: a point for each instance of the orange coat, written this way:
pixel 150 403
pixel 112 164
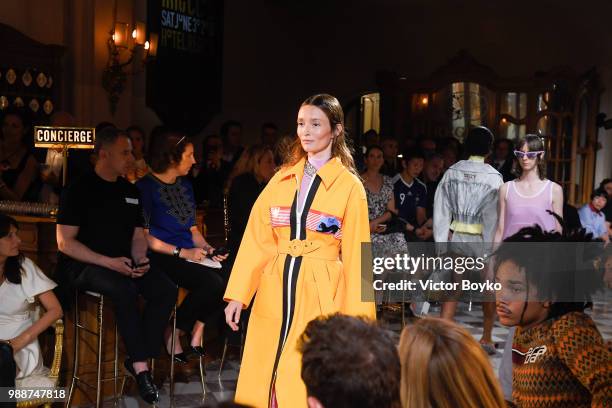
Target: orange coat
pixel 293 290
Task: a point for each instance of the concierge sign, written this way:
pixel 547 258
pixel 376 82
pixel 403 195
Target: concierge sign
pixel 64 137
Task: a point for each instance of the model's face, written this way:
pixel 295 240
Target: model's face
pixel 525 161
pixel 314 130
pixel 187 160
pixel 433 168
pixel 374 160
pixel 511 300
pixel 390 149
pixel 599 202
pixel 9 245
pixel 118 156
pixel 267 165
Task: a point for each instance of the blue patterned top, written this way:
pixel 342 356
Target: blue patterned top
pixel 169 209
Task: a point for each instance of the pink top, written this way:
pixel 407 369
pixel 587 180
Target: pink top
pixel 306 179
pixel 525 211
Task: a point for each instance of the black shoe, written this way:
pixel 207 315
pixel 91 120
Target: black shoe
pixel 197 350
pixel 146 388
pixel 181 358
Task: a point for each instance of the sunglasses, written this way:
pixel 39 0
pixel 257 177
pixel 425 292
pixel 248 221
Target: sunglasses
pixel 530 155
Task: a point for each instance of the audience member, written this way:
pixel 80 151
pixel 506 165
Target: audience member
pixel 606 185
pixel 18 167
pixel 52 170
pixel 349 362
pixel 392 164
pixel 502 159
pixel 381 208
pixel 427 145
pixel 248 178
pixel 213 172
pixel 410 193
pixel 269 134
pixel 139 166
pixel 444 367
pixel 103 249
pixel 432 171
pixel 592 217
pixel 559 357
pixel 177 246
pixel 231 135
pixel 22 284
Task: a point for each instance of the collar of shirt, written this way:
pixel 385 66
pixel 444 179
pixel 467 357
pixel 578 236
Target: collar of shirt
pixel 595 210
pixel 479 159
pixel 328 172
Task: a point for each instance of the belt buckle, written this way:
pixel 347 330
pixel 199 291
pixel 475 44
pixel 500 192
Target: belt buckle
pixel 296 247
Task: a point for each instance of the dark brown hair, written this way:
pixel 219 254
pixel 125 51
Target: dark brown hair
pixel 350 362
pixel 166 148
pixel 12 265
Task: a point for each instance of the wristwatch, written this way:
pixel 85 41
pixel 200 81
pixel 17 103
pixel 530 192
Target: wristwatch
pixel 177 251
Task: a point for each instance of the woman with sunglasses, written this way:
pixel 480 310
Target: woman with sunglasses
pixel 525 202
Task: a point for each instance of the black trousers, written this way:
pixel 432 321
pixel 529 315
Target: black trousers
pixel 142 334
pixel 8 371
pixel 206 286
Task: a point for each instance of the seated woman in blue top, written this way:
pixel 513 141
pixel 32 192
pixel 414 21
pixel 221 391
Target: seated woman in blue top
pixel 174 239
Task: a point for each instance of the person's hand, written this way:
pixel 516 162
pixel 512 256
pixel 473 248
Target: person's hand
pixel 232 314
pixel 120 264
pixel 426 233
pixel 373 226
pixel 193 254
pixel 144 267
pixel 409 227
pixel 219 258
pixel 19 342
pixel 140 173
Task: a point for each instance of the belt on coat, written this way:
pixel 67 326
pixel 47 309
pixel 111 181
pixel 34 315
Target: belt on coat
pixel 316 250
pixel 308 249
pixel 465 228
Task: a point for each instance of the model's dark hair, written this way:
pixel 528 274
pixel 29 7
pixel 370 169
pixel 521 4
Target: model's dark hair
pixel 350 362
pixel 548 271
pixel 479 141
pixel 12 265
pixel 166 148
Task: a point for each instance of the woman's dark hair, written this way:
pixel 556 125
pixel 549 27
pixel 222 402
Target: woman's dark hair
pixel 549 267
pixel 166 148
pixel 12 266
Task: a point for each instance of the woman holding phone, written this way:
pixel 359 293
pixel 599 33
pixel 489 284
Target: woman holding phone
pixel 176 244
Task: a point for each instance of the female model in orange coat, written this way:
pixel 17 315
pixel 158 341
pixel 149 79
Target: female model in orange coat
pixel 301 252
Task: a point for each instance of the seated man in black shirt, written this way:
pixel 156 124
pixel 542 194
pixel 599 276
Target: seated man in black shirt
pixel 103 249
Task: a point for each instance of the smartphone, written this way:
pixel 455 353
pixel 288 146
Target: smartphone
pixel 219 252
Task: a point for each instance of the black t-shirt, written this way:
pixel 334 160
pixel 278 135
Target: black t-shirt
pixel 105 212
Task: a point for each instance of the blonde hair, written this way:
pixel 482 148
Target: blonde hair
pixel 340 147
pixel 444 367
pixel 249 162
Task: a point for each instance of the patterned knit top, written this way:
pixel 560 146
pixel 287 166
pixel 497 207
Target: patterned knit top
pixel 562 363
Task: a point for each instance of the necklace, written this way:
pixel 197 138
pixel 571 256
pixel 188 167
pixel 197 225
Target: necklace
pixel 309 169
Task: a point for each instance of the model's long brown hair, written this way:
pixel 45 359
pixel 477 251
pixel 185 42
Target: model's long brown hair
pixel 444 367
pixel 340 148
